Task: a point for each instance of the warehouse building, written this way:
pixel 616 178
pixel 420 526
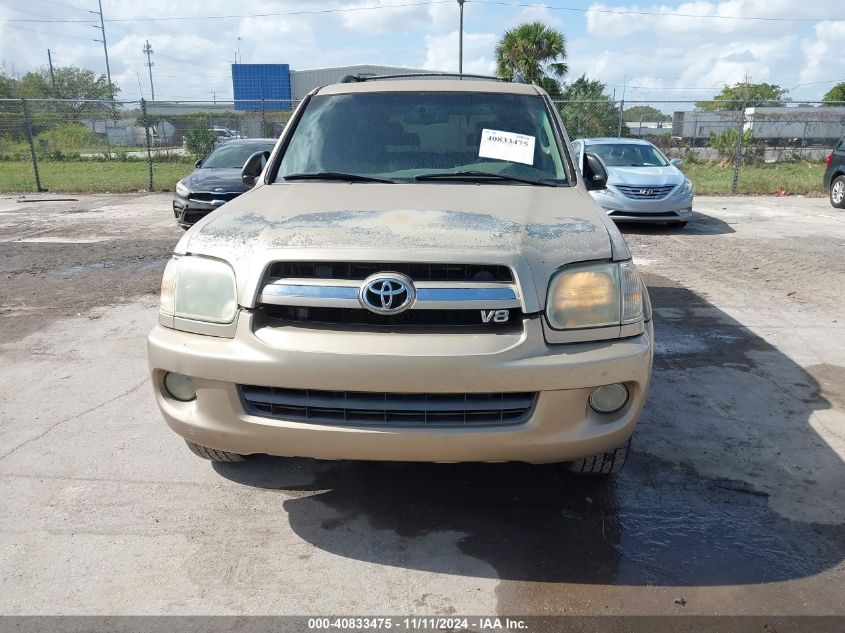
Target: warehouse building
pixel 277 85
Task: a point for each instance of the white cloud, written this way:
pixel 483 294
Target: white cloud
pixel 662 51
pixel 442 52
pixel 819 54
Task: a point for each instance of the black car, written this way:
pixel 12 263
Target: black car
pixel 216 180
pixel 834 175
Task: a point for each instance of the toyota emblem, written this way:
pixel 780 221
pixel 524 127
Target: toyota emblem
pixel 387 293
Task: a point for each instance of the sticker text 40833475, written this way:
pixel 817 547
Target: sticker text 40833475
pixel 518 148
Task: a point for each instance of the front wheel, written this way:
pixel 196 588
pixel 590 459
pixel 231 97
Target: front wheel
pixel 607 463
pixel 837 192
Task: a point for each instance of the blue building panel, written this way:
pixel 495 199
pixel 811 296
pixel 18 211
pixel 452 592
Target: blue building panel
pixel 252 83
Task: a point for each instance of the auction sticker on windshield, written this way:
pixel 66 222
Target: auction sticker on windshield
pixel 518 148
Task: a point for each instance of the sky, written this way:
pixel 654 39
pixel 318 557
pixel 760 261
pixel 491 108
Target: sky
pixel 666 51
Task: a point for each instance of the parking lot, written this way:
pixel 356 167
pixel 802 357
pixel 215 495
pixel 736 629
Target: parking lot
pixel 731 503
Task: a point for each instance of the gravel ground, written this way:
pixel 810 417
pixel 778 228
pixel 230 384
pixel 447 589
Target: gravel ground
pixel 731 503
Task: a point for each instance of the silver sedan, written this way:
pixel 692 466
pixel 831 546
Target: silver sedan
pixel 643 185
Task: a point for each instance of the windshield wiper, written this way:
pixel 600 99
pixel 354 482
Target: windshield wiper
pixel 336 175
pixel 482 175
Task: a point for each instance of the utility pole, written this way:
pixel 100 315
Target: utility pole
pixel 105 46
pixel 461 40
pixel 52 75
pixel 149 50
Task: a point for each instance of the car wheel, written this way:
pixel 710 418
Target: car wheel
pixel 837 192
pixel 678 225
pixel 608 463
pixel 212 454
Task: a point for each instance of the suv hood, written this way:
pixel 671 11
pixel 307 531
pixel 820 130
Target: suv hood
pixel 536 229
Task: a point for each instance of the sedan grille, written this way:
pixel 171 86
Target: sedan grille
pixel 202 196
pixel 380 409
pixel 645 192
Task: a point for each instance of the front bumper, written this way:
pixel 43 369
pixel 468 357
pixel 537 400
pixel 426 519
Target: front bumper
pixel 676 208
pixel 560 427
pixel 188 212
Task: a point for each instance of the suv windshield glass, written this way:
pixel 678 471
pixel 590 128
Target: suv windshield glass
pixel 234 155
pixel 402 135
pixel 628 155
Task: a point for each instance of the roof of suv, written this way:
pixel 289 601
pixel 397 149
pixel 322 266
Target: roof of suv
pixel 429 85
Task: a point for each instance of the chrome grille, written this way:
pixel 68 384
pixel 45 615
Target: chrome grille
pixel 445 295
pixel 416 271
pixel 381 409
pixel 645 192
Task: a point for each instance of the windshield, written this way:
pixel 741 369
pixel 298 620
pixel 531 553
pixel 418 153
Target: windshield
pixel 628 154
pixel 402 135
pixel 234 155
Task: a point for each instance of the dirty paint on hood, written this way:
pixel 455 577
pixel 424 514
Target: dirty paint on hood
pixel 544 227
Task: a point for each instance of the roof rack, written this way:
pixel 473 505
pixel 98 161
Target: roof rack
pixel 348 79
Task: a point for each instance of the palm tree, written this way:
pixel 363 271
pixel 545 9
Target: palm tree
pixel 534 50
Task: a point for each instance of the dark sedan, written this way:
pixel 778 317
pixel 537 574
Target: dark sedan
pixel 216 180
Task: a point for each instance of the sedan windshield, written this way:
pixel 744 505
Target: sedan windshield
pixel 628 154
pixel 398 136
pixel 234 155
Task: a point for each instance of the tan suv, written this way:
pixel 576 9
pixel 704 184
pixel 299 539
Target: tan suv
pixel 419 274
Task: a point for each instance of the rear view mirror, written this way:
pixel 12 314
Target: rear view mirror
pixel 198 164
pixel 595 174
pixel 253 167
pixel 676 161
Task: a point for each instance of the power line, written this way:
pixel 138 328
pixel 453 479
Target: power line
pixel 651 13
pixel 73 37
pixel 61 4
pixel 254 15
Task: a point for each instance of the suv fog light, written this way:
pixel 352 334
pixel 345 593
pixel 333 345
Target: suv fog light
pixel 180 386
pixel 609 398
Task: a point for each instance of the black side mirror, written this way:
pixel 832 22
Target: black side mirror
pixel 198 164
pixel 253 167
pixel 595 175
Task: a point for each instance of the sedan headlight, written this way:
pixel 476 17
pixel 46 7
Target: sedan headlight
pixel 595 295
pixel 182 190
pixel 199 288
pixel 686 188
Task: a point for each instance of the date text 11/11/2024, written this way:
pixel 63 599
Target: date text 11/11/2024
pixel 422 623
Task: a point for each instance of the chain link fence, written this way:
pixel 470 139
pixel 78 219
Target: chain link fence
pixel 121 146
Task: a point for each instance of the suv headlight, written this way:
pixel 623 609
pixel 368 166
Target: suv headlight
pixel 182 190
pixel 200 289
pixel 593 295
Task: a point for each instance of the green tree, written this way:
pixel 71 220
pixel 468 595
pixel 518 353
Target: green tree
pixel 536 51
pixel 835 96
pixel 732 97
pixel 71 83
pixel 587 110
pixel 6 86
pixel 644 113
pixel 200 141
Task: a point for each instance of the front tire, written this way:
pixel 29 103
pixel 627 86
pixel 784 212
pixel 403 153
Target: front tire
pixel 608 463
pixel 837 192
pixel 214 455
